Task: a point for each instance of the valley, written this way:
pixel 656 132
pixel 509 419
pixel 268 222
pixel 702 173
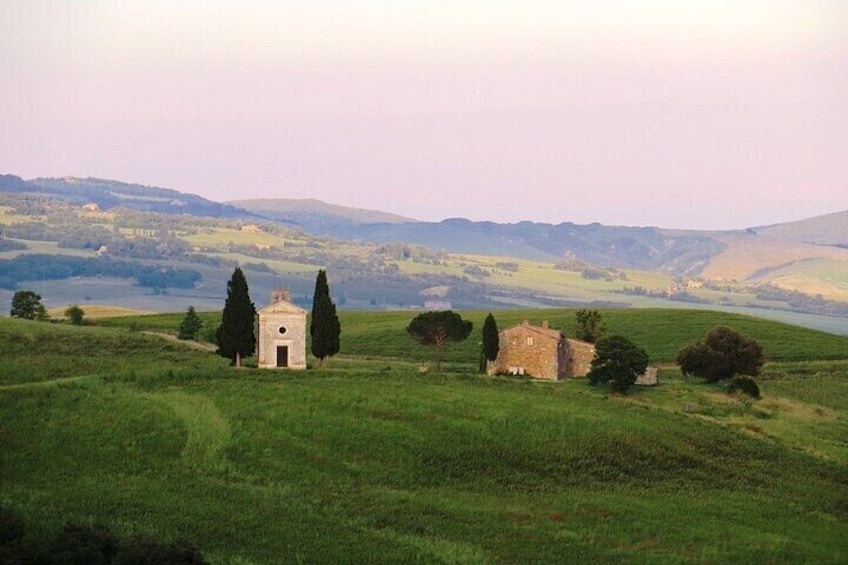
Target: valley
pixel 381 261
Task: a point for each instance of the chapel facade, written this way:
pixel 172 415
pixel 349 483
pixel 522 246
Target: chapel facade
pixel 281 334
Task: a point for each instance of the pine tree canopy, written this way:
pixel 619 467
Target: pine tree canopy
pixel 191 324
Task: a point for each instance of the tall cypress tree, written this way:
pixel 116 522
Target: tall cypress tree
pixel 324 328
pixel 491 343
pixel 235 337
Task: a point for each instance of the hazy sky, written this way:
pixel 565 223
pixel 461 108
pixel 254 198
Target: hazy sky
pixel 695 114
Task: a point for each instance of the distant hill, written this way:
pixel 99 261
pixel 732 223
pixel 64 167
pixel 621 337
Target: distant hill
pixel 110 194
pixel 610 246
pixel 829 229
pixel 316 216
pixel 385 258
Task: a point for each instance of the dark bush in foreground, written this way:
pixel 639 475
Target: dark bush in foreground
pixel 618 361
pixel 745 385
pixel 721 354
pixel 88 545
pixel 142 550
pixel 83 544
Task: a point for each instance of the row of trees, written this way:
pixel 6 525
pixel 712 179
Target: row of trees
pixel 721 354
pixel 43 267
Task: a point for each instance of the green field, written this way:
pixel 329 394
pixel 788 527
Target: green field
pixel 371 461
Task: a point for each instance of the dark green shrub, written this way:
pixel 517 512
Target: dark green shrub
pixel 12 526
pixel 81 544
pixel 745 385
pixel 143 550
pixel 618 361
pixel 721 354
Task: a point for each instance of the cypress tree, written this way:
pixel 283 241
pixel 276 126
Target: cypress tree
pixel 190 325
pixel 324 327
pixel 235 336
pixel 491 344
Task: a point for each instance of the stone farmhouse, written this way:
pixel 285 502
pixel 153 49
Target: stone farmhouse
pixel 281 334
pixel 541 352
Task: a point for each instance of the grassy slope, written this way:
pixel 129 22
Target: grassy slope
pixel 661 332
pixel 372 461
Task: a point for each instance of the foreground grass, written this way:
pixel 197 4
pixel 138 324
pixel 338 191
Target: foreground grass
pixel 370 461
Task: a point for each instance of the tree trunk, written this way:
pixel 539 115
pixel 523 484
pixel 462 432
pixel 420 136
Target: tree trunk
pixel 238 359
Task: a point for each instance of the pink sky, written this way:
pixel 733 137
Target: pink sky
pixel 713 114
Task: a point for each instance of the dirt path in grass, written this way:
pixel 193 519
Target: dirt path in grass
pixel 51 382
pixel 208 431
pixel 188 343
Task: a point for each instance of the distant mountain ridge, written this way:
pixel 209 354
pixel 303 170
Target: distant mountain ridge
pixel 110 193
pixel 316 216
pixel 715 255
pixel 828 229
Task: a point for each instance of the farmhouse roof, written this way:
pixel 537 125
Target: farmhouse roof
pixel 541 330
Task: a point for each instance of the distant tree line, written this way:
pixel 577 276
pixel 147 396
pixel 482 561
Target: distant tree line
pixel 40 267
pixel 800 302
pixel 590 272
pixel 93 237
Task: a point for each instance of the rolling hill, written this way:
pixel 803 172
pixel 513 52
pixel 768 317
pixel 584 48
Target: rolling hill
pixel 316 216
pixel 107 194
pixel 370 461
pixel 829 229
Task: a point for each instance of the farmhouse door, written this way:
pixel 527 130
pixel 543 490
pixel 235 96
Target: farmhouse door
pixel 282 356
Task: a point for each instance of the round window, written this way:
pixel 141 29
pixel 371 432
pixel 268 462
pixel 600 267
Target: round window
pixel 282 330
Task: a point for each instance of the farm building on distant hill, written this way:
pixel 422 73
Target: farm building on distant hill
pixel 281 334
pixel 541 352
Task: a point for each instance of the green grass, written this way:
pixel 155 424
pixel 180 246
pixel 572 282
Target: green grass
pixel 661 332
pixel 371 461
pixel 38 351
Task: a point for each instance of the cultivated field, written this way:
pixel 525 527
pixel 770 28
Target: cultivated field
pixel 371 461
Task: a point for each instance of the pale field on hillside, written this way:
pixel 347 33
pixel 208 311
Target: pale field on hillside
pixel 816 276
pixel 225 236
pixel 98 311
pixel 747 254
pixel 47 248
pixel 8 217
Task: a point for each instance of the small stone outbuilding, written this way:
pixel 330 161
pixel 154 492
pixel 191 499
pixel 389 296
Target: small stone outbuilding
pixel 541 352
pixel 281 334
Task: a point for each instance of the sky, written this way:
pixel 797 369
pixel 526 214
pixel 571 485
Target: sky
pixel 716 114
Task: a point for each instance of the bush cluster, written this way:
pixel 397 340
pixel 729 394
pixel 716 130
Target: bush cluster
pixel 745 385
pixel 78 543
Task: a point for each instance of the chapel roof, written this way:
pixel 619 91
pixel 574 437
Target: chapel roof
pixel 282 307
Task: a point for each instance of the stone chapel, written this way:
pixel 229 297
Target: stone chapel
pixel 281 334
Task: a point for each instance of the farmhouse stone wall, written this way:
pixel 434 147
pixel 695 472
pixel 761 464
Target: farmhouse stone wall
pixel 649 378
pixel 580 356
pixel 542 353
